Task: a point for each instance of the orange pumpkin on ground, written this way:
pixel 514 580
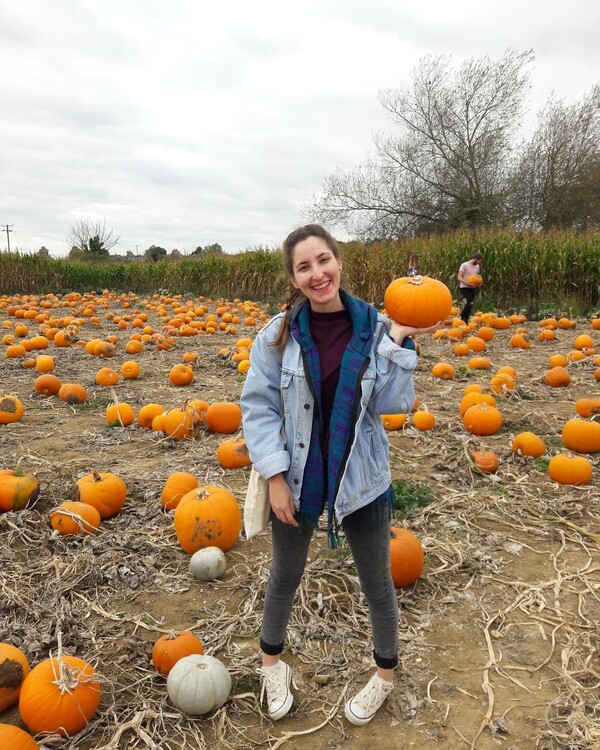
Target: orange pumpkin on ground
pixel 423 420
pixel 584 342
pixel 406 557
pixel 15 738
pixel 476 344
pixel 178 484
pixel 475 397
pixel 47 385
pixel 528 444
pixel 588 407
pixel 393 421
pixel 107 377
pixel 557 377
pixel 479 363
pixel 233 454
pixel 105 491
pixel 147 413
pixel 11 409
pixel 502 384
pixel 581 435
pixel 17 489
pixel 482 419
pixel 72 393
pixel 130 370
pixel 570 470
pixel 61 695
pixel 207 517
pixel 181 374
pixel 44 363
pixel 443 370
pixel 486 461
pixel 224 417
pixel 171 647
pixel 181 424
pixel 14 668
pixel 120 414
pixel 75 518
pixel 557 360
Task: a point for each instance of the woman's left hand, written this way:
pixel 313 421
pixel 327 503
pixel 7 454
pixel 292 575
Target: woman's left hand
pixel 399 332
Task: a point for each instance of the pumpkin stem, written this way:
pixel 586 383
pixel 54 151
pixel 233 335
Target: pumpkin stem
pixel 417 280
pixel 96 475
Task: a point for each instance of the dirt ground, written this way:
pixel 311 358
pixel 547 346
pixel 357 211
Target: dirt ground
pixel 498 639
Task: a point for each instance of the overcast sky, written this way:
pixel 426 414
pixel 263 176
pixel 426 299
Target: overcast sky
pixel 188 122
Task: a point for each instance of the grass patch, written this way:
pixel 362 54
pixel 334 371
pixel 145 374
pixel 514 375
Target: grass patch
pixel 100 402
pixel 410 498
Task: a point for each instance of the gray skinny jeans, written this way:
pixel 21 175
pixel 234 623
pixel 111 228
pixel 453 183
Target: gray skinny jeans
pixel 370 549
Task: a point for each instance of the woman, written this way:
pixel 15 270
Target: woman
pixel 322 374
pixel 467 289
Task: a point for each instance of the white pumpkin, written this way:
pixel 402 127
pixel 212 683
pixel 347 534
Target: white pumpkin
pixel 208 563
pixel 198 684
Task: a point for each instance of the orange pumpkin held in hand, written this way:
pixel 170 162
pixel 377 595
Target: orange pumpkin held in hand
pixel 418 301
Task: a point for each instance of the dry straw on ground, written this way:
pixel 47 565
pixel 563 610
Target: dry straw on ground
pixel 498 640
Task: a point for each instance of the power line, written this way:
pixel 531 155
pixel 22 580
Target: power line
pixel 6 226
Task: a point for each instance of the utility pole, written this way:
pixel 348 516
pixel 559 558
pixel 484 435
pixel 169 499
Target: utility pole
pixel 6 226
pixel 137 255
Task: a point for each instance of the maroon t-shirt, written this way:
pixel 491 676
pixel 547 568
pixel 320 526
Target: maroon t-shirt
pixel 331 333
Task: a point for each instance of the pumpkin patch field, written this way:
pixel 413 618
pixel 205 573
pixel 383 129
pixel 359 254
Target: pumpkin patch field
pixel 130 601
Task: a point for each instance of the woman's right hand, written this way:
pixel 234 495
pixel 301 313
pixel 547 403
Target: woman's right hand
pixel 282 501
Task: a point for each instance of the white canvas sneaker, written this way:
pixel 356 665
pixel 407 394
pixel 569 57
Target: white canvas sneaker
pixel 276 682
pixel 365 704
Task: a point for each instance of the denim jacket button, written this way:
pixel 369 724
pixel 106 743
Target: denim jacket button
pixel 301 445
pixel 307 406
pixel 296 481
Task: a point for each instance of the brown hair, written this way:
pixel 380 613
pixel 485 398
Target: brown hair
pixel 477 256
pixel 295 296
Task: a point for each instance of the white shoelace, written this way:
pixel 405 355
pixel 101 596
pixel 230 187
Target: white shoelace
pixel 370 698
pixel 274 683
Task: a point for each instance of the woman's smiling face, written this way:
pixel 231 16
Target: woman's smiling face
pixel 316 273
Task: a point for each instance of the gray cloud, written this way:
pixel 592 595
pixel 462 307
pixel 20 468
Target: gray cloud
pixel 184 124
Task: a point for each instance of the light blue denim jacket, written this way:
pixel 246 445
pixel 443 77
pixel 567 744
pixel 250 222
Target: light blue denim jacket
pixel 276 389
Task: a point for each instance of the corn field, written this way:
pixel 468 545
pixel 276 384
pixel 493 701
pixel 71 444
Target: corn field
pixel 521 271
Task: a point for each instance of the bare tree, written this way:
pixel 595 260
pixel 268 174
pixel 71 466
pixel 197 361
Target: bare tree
pixel 448 166
pixel 557 175
pixel 92 237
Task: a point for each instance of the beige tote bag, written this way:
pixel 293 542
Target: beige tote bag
pixel 257 508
